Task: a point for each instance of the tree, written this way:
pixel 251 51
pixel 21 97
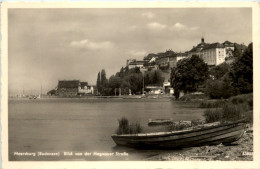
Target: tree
pixel 98 82
pixel 220 88
pixel 146 79
pixel 220 70
pixel 242 71
pixel 135 81
pixel 102 82
pixel 114 82
pixel 188 75
pixel 103 79
pixel 155 78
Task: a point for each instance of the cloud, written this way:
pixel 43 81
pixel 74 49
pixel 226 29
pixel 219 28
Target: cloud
pixel 178 27
pixel 156 26
pixel 87 44
pixel 137 53
pixel 148 15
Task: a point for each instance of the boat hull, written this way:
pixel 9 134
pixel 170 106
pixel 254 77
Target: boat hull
pixel 224 133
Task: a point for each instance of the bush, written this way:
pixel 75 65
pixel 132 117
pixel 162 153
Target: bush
pixel 213 104
pixel 135 128
pixel 246 99
pixel 213 115
pixel 125 128
pixel 248 115
pixel 221 88
pixel 190 96
pixel 232 112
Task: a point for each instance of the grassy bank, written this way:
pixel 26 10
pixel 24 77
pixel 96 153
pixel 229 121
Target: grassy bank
pixel 235 108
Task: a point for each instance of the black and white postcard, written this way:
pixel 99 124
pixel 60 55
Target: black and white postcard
pixel 130 85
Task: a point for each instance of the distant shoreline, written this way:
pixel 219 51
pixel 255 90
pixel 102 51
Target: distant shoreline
pixel 152 96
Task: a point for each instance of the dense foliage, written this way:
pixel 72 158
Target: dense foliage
pixel 232 80
pixel 188 75
pixel 219 71
pixel 242 72
pixel 220 88
pixel 127 80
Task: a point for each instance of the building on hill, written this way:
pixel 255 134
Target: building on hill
pixel 150 57
pixel 128 61
pixel 68 88
pixel 178 56
pixel 170 60
pixel 163 60
pixel 229 47
pixel 216 53
pixel 213 54
pixel 136 63
pixel 196 50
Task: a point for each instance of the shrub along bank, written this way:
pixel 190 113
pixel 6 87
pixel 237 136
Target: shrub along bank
pixel 126 128
pixel 235 108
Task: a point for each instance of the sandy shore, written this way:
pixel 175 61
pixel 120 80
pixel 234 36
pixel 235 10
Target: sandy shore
pixel 240 150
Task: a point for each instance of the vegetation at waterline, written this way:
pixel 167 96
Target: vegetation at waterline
pixel 212 104
pixel 126 128
pixel 237 107
pixel 127 79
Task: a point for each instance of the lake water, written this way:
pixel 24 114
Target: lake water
pixel 58 125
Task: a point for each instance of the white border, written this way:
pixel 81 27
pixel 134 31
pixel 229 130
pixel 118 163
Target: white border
pixel 125 164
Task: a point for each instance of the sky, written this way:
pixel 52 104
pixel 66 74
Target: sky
pixel 47 45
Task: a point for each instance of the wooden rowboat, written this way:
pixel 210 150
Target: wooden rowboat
pixel 212 133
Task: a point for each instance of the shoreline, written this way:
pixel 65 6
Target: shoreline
pixel 241 150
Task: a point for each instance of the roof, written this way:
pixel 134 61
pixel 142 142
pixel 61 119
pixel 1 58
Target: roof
pixel 138 62
pixel 195 49
pixel 213 46
pixel 182 54
pixel 228 44
pixel 83 84
pixel 169 53
pixel 150 56
pixel 199 47
pixel 68 84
